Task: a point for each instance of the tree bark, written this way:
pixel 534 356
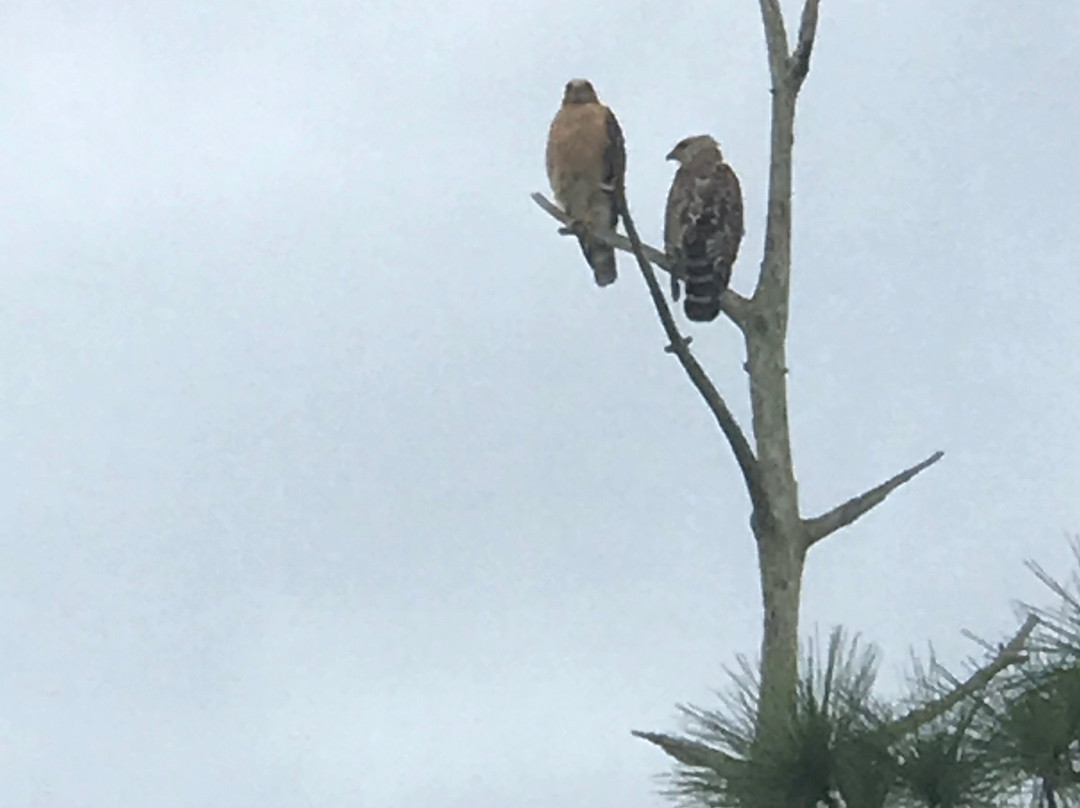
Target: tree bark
pixel 779 536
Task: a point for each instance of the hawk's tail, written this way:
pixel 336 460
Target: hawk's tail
pixel 601 258
pixel 705 283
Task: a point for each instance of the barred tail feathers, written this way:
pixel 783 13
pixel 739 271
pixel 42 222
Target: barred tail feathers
pixel 708 271
pixel 705 283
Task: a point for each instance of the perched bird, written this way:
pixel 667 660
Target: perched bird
pixel 703 224
pixel 586 164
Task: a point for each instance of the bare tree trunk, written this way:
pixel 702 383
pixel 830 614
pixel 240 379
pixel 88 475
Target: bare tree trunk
pixel 780 544
pixel 781 588
pixel 779 531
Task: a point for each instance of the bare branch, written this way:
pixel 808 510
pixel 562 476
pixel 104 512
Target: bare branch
pixel 691 753
pixel 775 39
pixel 611 239
pixel 799 64
pixel 844 514
pixel 735 306
pixel 1009 654
pixel 744 455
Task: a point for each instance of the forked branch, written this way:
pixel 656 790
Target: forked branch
pixel 775 39
pixel 1009 654
pixel 800 57
pixel 844 514
pixel 734 305
pixel 679 346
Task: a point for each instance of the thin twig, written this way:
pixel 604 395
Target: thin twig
pixel 692 753
pixel 847 512
pixel 800 57
pixel 744 455
pixel 1010 654
pixel 735 306
pixel 775 38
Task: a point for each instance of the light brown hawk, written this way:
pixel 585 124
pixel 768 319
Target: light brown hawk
pixel 586 164
pixel 703 225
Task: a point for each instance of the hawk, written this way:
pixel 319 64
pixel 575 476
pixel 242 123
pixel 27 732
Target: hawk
pixel 703 225
pixel 586 164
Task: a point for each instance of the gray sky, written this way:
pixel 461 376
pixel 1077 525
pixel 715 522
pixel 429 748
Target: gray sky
pixel 331 479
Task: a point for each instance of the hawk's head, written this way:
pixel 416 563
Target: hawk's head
pixel 579 91
pixel 689 147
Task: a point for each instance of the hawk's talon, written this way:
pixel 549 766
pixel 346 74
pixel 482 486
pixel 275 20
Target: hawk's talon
pixel 575 228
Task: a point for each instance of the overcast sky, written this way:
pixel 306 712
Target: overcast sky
pixel 331 479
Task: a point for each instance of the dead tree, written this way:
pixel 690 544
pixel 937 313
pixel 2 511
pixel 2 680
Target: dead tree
pixel 783 535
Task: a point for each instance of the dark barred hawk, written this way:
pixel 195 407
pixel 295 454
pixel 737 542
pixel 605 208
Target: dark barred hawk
pixel 586 164
pixel 703 225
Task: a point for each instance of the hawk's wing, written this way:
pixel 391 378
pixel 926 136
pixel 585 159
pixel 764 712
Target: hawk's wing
pixel 703 227
pixel 614 163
